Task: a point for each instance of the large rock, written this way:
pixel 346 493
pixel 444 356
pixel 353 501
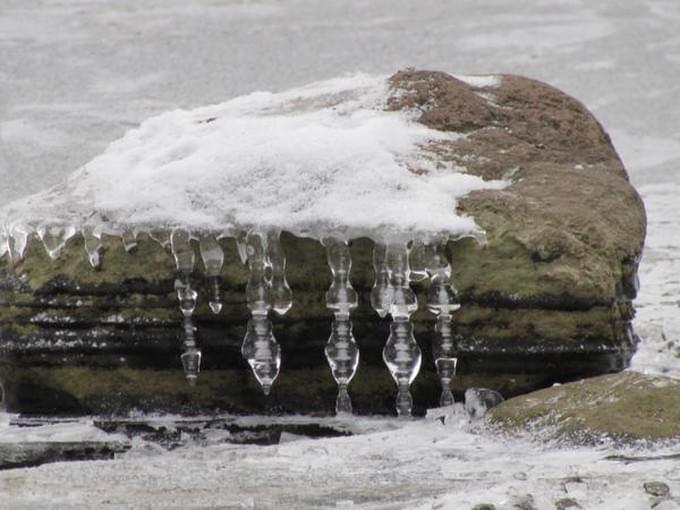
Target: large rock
pixel 546 298
pixel 625 406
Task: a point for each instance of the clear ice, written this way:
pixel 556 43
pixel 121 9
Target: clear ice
pixel 394 264
pixel 18 242
pixel 259 347
pixel 281 295
pixel 161 236
pixel 381 293
pixel 129 238
pixel 4 243
pixel 342 351
pixel 184 259
pixel 92 243
pixel 401 353
pixel 213 259
pixel 54 237
pixel 442 301
pixel 242 246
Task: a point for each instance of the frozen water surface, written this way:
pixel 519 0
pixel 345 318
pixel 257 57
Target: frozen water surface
pixel 75 76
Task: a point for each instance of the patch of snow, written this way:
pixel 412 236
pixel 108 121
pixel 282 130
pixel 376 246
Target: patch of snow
pixel 69 431
pixel 324 159
pixel 403 464
pixel 480 81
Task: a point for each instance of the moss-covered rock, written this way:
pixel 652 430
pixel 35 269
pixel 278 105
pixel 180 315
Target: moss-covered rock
pixel 547 296
pixel 623 406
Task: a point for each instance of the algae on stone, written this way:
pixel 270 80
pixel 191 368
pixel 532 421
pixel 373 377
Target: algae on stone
pixel 625 406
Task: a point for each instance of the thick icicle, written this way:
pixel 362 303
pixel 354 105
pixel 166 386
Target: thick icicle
pixel 93 243
pixel 129 238
pixel 186 295
pixel 4 243
pixel 17 241
pixel 417 258
pixel 161 236
pixel 442 300
pixel 242 246
pixel 213 259
pixel 381 293
pixel 342 351
pixel 401 353
pixel 281 295
pixel 55 237
pixel 259 345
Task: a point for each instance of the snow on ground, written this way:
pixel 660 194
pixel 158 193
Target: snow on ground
pixel 74 76
pixel 422 464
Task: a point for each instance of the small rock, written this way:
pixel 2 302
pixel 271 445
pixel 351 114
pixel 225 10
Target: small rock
pixel 666 504
pixel 525 502
pixel 575 487
pixel 479 400
pixel 484 506
pixel 446 415
pixel 567 504
pixel 659 489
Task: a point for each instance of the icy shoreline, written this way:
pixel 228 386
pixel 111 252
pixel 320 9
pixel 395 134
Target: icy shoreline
pixel 422 464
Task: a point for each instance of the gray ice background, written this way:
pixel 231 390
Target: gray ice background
pixel 76 74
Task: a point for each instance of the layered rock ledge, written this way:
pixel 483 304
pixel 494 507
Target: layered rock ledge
pixel 545 298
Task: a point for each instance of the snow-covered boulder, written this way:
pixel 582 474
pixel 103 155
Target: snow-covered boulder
pixel 514 178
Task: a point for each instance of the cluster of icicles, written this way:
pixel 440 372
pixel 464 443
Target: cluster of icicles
pixel 395 265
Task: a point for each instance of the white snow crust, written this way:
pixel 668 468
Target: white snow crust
pixel 324 159
pixel 480 81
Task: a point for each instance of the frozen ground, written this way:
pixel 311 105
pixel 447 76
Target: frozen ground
pixel 419 465
pixel 75 75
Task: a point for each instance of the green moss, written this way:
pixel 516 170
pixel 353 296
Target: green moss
pixel 566 504
pixel 503 266
pixel 523 323
pixel 150 314
pixel 20 330
pixel 149 263
pixel 644 407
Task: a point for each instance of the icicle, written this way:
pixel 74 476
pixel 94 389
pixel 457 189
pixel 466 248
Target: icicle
pixel 161 236
pixel 55 237
pixel 213 259
pixel 282 296
pixel 259 345
pixel 442 300
pixel 180 241
pixel 381 293
pixel 4 243
pixel 242 246
pixel 342 351
pixel 417 258
pixel 186 295
pixel 129 238
pixel 17 242
pixel 92 242
pixel 401 353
